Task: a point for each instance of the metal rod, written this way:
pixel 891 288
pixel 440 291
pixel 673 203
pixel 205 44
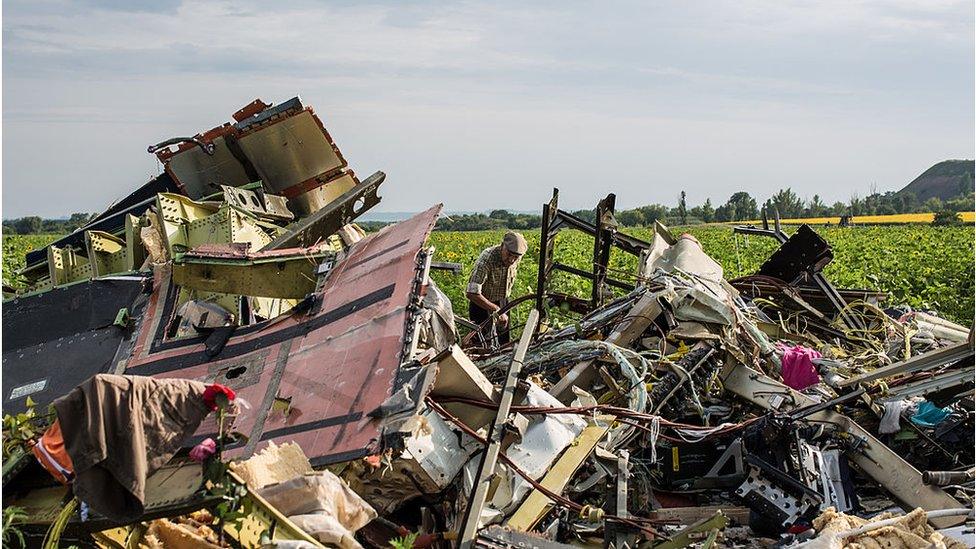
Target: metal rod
pixel 489 458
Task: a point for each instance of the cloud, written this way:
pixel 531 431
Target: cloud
pixel 718 94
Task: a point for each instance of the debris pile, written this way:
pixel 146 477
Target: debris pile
pixel 676 407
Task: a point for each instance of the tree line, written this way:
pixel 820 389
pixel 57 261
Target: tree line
pixel 36 225
pixel 741 206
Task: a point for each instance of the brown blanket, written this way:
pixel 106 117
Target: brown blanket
pixel 118 430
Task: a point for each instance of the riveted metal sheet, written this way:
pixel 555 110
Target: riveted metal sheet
pixel 333 365
pixel 291 151
pixel 201 174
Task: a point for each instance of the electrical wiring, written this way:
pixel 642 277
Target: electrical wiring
pixel 635 522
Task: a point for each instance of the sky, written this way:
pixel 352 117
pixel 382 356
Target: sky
pixel 484 105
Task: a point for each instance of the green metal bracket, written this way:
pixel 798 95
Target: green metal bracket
pixel 122 319
pixel 686 537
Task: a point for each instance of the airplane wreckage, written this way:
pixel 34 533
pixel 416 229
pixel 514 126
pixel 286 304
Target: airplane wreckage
pixel 224 359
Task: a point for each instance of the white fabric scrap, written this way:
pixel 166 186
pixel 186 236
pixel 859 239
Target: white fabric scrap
pixel 891 420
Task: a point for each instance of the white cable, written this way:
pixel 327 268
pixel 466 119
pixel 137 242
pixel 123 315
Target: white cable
pixel 655 430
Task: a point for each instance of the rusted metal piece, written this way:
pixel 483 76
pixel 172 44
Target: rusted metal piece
pixel 285 146
pixel 605 238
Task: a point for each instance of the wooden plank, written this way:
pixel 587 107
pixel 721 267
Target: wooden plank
pixel 691 515
pixel 536 505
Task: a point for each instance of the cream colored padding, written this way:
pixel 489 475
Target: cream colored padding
pixel 273 464
pixel 323 505
pixel 909 532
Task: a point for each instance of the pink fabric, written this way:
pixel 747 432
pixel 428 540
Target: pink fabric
pixel 798 369
pixel 202 451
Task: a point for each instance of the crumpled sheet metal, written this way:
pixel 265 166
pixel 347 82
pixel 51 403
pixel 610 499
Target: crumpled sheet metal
pixel 331 367
pixel 703 295
pixel 544 440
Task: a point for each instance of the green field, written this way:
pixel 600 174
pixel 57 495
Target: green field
pixel 14 249
pixel 921 265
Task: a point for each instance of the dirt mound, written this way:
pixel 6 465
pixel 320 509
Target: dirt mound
pixel 946 180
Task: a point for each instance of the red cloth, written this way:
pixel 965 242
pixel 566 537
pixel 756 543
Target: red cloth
pixel 210 395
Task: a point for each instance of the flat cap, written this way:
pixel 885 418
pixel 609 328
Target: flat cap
pixel 515 243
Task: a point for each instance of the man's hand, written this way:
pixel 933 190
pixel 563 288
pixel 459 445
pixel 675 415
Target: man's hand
pixel 503 319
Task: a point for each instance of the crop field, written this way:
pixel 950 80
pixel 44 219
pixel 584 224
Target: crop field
pixel 920 265
pixel 14 249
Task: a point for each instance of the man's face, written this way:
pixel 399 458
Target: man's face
pixel 509 258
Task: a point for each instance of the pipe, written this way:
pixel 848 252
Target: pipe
pixel 947 478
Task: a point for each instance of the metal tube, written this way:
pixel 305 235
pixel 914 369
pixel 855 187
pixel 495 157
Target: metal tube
pixel 489 458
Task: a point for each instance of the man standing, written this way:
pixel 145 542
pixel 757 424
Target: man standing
pixel 491 281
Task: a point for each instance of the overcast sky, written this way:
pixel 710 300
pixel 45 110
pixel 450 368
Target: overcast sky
pixel 491 104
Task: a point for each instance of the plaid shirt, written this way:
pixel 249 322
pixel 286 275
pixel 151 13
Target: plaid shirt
pixel 490 277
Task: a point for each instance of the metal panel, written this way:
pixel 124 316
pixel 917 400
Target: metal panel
pixel 325 194
pixel 106 252
pixel 235 270
pixel 333 365
pixel 328 220
pixel 291 151
pixel 201 174
pixel 57 339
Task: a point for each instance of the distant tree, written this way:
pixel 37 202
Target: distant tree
pixel 586 215
pixel 682 209
pixel 740 207
pixel 631 218
pixel 786 202
pixel 909 202
pixel 29 225
pixel 838 209
pixel 500 214
pixel 885 208
pixel 933 204
pixel 654 212
pixel 722 213
pixel 78 220
pixel 705 212
pixel 816 207
pixel 947 217
pixel 961 204
pixel 708 211
pixel 855 205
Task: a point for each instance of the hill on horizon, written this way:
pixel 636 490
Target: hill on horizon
pixel 946 180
